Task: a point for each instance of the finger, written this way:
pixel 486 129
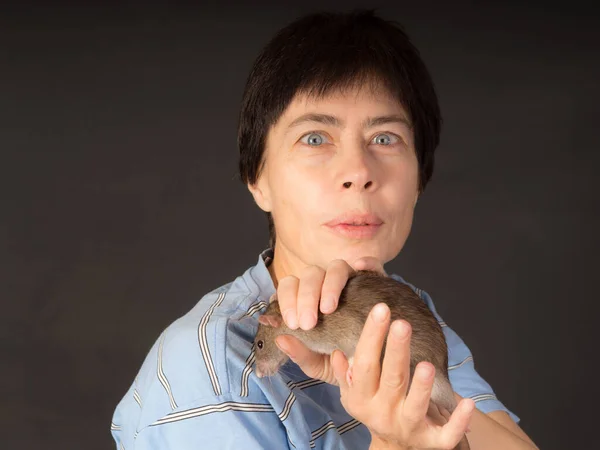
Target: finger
pixel 340 365
pixel 309 295
pixel 458 399
pixel 368 263
pixel 336 276
pixel 287 294
pixel 417 401
pixel 366 365
pixel 395 372
pixel 314 365
pixel 453 432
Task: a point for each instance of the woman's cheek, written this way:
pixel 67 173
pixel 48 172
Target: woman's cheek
pixel 308 179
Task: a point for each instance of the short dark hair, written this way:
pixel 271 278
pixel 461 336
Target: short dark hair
pixel 324 51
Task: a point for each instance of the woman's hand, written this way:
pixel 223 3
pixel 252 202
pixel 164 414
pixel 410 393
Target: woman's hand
pixel 299 300
pixel 377 396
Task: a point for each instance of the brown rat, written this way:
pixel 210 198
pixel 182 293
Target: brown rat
pixel 342 328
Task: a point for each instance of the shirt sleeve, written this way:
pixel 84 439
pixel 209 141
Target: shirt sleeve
pixel 191 391
pixel 465 380
pixel 229 422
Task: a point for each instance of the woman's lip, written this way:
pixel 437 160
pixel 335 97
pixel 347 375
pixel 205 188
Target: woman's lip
pixel 355 218
pixel 355 231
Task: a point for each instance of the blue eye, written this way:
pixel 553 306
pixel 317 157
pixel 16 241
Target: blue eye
pixel 314 139
pixel 384 139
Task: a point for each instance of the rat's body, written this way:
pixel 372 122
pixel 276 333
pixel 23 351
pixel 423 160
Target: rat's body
pixel 342 329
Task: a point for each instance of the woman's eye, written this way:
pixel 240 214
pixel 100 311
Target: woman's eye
pixel 385 139
pixel 312 139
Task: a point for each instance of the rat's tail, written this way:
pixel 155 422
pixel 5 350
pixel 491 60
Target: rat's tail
pixel 442 394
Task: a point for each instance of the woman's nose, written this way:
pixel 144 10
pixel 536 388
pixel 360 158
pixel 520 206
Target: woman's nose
pixel 357 172
pixel 348 184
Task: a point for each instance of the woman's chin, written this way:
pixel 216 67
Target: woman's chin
pixel 352 252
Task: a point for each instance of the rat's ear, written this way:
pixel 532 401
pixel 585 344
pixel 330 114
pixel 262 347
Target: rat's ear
pixel 264 320
pixel 273 298
pixel 270 320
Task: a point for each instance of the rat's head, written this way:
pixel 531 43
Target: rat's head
pixel 268 356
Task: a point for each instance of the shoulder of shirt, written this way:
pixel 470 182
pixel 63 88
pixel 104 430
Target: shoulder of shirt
pixel 203 357
pixel 465 380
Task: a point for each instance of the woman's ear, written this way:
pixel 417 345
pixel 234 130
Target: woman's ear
pixel 261 193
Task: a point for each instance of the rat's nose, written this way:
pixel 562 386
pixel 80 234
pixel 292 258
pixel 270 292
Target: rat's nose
pixel 258 372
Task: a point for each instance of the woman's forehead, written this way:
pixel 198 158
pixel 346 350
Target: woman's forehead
pixel 364 102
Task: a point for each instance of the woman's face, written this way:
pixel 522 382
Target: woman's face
pixel 340 178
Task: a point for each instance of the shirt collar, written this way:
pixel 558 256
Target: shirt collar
pixel 261 276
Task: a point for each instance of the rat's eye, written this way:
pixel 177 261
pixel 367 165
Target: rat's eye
pixel 259 344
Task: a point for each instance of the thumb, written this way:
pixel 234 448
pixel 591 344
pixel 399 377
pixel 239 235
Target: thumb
pixel 368 263
pixel 340 365
pixel 314 365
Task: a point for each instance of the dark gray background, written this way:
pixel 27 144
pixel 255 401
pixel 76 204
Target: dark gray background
pixel 121 206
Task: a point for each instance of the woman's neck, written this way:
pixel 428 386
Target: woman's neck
pixel 284 263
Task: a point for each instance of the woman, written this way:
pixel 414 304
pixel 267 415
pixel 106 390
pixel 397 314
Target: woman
pixel 338 128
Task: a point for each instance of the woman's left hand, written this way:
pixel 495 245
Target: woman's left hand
pixel 377 396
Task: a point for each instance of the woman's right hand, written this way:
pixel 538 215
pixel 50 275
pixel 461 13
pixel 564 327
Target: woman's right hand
pixel 378 395
pixel 300 299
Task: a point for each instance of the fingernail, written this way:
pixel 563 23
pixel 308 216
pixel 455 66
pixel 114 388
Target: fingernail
pixel 290 319
pixel 307 320
pixel 327 304
pixel 400 329
pixel 426 371
pixel 379 312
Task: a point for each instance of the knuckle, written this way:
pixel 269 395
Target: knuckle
pixel 394 381
pixel 312 272
pixel 308 297
pixel 445 444
pixel 338 264
pixel 364 367
pixel 377 426
pixel 287 281
pixel 383 424
pixel 411 419
pixel 411 425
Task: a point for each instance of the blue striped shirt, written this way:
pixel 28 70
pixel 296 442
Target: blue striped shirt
pixel 196 388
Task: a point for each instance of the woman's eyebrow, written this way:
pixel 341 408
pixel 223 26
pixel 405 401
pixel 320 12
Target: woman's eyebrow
pixel 371 122
pixel 327 119
pixel 320 118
